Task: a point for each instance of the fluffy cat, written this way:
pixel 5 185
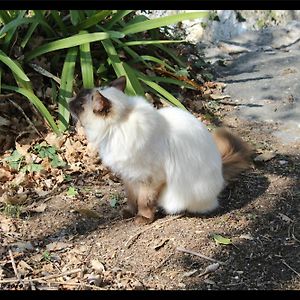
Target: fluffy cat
pixel 166 157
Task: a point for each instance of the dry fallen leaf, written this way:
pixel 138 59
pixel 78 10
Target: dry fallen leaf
pixel 55 246
pixel 22 149
pixel 88 213
pixel 22 246
pixel 23 268
pixel 219 96
pixel 5 175
pixel 210 269
pixel 266 156
pixel 39 209
pixel 54 140
pixel 97 265
pixel 285 218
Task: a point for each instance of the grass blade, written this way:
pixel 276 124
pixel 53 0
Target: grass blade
pixel 65 91
pixel 160 22
pixel 59 21
pixel 170 81
pixel 95 19
pixel 29 34
pixel 4 16
pixel 117 17
pixel 135 43
pixel 15 23
pixel 72 41
pixel 86 66
pixel 157 60
pixel 170 98
pixel 75 17
pixel 13 66
pixel 133 87
pixel 37 103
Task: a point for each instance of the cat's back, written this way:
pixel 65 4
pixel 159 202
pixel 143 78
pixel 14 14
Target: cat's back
pixel 189 135
pixel 182 121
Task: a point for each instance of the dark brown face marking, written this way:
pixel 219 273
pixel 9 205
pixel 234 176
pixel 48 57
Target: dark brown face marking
pixel 76 105
pixel 101 105
pixel 119 83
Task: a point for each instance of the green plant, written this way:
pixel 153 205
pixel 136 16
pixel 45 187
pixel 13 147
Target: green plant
pixel 105 43
pixel 114 199
pixel 18 162
pixel 13 211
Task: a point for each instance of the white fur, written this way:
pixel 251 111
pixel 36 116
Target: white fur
pixel 167 144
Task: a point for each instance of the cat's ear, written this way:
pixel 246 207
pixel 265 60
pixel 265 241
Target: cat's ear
pixel 119 83
pixel 101 105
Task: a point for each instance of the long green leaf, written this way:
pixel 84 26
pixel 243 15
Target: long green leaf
pixel 133 80
pixel 11 29
pixel 169 80
pixel 160 22
pixel 39 15
pixel 37 103
pixel 157 60
pixel 132 87
pixel 86 66
pixel 75 17
pixel 171 54
pixel 65 92
pixel 4 16
pixel 135 43
pixel 170 98
pixel 95 19
pixel 15 23
pixel 58 21
pixel 69 42
pixel 13 66
pixel 117 17
pixel 29 34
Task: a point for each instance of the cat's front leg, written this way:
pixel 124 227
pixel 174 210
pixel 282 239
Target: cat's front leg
pixel 132 197
pixel 147 202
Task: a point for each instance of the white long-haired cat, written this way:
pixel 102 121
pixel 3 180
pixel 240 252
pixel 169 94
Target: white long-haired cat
pixel 165 157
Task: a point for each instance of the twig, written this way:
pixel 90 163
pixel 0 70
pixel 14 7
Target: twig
pixel 42 278
pixel 290 268
pixel 42 281
pixel 58 275
pixel 25 116
pixel 200 255
pixel 32 284
pixel 14 266
pixel 6 96
pixel 75 284
pixel 132 239
pixel 163 262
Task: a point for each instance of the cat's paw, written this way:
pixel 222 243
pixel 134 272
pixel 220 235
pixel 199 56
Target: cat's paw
pixel 141 220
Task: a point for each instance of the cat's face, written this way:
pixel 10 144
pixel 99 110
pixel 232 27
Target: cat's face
pixel 94 105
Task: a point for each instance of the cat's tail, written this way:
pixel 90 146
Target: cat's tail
pixel 234 151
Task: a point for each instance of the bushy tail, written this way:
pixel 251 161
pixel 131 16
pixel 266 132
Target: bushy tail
pixel 234 151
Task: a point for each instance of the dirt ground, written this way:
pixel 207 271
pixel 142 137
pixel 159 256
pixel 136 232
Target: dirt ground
pixel 80 241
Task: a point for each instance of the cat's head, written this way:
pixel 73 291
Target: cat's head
pixel 98 105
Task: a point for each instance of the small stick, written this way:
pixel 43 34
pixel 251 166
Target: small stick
pixel 42 281
pixel 58 275
pixel 75 284
pixel 199 254
pixel 14 266
pixel 25 116
pixel 290 268
pixel 163 262
pixel 132 239
pixel 4 96
pixel 42 278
